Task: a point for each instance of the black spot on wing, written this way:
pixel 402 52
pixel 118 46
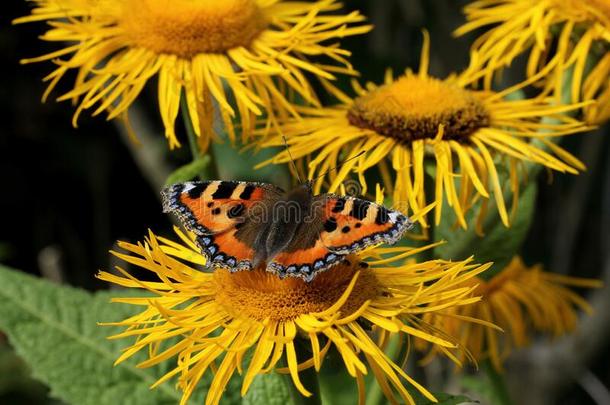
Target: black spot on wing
pixel 339 205
pixel 216 211
pixel 330 225
pixel 247 193
pixel 197 190
pixel 359 208
pixel 236 211
pixel 345 229
pixel 383 215
pixel 224 190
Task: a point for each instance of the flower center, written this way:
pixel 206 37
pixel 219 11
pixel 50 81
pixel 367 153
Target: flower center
pixel 188 27
pixel 415 107
pixel 261 295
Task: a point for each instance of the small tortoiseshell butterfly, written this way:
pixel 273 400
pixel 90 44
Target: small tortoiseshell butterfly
pixel 240 225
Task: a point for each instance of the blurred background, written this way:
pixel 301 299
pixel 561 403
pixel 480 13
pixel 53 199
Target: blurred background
pixel 69 194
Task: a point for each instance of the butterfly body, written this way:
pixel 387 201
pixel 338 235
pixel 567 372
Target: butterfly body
pixel 288 218
pixel 243 225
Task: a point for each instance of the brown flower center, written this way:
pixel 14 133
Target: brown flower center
pixel 414 107
pixel 261 295
pixel 187 27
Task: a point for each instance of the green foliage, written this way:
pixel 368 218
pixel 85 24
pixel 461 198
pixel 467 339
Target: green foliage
pixel 268 389
pixel 196 168
pixel 337 386
pixel 54 329
pixel 488 384
pixel 498 245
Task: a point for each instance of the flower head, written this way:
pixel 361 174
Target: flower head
pixel 564 39
pixel 246 322
pixel 234 54
pixel 418 123
pixel 521 300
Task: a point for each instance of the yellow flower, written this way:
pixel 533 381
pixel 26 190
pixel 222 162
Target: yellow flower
pixel 223 318
pixel 521 300
pixel 237 54
pixel 416 124
pixel 560 35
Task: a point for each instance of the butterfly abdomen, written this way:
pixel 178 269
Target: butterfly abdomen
pixel 288 217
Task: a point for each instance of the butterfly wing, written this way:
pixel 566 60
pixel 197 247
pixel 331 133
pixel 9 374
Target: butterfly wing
pixel 224 215
pixel 306 255
pixel 340 226
pixel 352 224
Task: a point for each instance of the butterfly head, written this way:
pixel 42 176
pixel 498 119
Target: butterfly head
pixel 308 185
pixel 302 193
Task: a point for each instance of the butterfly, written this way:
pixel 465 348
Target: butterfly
pixel 242 225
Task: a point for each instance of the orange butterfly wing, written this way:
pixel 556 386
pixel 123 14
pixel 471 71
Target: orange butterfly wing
pixel 216 211
pixel 352 224
pixel 341 226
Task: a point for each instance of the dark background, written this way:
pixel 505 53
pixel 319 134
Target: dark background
pixel 69 194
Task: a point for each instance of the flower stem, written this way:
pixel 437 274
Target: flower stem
pixel 190 131
pixel 209 169
pixel 497 383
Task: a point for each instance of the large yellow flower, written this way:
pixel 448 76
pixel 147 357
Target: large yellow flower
pixel 417 125
pixel 222 318
pixel 521 300
pixel 240 55
pixel 560 35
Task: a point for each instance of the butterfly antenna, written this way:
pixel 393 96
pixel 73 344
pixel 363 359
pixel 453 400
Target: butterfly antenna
pixel 339 165
pixel 296 171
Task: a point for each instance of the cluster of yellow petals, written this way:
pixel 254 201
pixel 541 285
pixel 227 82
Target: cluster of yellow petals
pixel 567 40
pixel 522 301
pixel 227 61
pixel 223 318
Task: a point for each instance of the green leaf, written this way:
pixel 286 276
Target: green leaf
pixel 268 389
pixel 487 384
pixel 197 168
pixel 54 329
pixel 498 245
